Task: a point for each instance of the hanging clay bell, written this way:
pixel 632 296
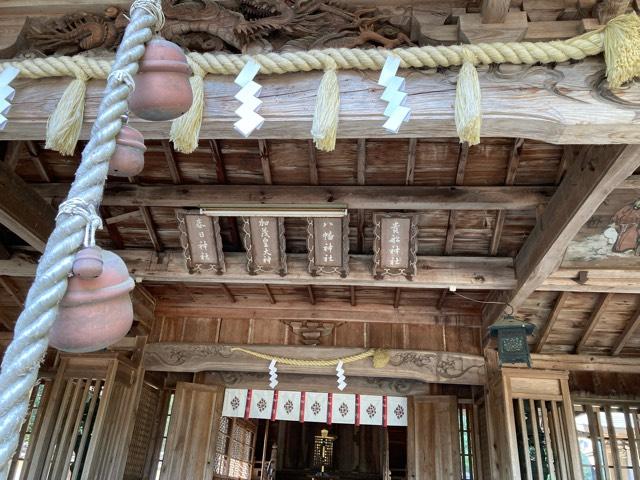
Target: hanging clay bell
pixel 95 312
pixel 88 263
pixel 162 88
pixel 128 158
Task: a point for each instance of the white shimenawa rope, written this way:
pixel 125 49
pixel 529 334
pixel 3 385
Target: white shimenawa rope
pixel 86 210
pixel 19 370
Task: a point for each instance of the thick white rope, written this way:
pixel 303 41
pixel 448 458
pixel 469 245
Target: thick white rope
pixel 21 361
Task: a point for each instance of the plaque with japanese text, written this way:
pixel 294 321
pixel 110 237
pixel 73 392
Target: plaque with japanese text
pixel 395 245
pixel 264 241
pixel 328 245
pixel 201 241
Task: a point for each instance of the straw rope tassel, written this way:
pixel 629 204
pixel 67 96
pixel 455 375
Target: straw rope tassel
pixel 468 114
pixel 64 124
pixel 325 118
pixel 622 49
pixel 185 130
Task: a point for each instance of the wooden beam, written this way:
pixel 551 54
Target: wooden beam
pixel 524 106
pixel 171 162
pixel 584 363
pixel 408 364
pixel 216 156
pixel 12 155
pixel 353 197
pixel 494 11
pixel 463 155
pixel 264 160
pixel 625 336
pixel 324 312
pixel 270 296
pixel 591 178
pixel 352 295
pixel 553 317
pixel 361 167
pixel 313 163
pixel 451 231
pixel 151 229
pixel 396 297
pixel 228 293
pixel 592 323
pixel 411 161
pixel 11 290
pixel 23 210
pixel 510 177
pixel 112 229
pixel 312 297
pixel 442 299
pixel 4 252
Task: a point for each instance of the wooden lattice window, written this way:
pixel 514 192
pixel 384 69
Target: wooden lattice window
pixel 235 445
pixel 609 436
pixel 468 431
pixel 165 432
pixel 140 445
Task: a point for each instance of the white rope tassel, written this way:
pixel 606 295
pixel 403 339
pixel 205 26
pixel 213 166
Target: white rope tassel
pixel 77 206
pixel 468 114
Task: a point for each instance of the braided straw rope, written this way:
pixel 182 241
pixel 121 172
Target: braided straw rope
pixel 577 48
pixel 22 358
pixel 329 362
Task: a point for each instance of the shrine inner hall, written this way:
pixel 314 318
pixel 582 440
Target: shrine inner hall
pixel 307 239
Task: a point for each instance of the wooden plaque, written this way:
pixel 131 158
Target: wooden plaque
pixel 264 241
pixel 201 241
pixel 328 245
pixel 395 245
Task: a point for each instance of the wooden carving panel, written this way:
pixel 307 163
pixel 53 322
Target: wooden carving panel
pixel 328 245
pixel 395 245
pixel 201 241
pixel 264 241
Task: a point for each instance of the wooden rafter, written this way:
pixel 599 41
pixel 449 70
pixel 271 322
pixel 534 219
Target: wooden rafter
pixel 352 295
pixel 112 228
pixel 313 164
pixel 34 154
pixel 228 293
pixel 176 177
pixel 265 161
pixel 270 296
pixel 151 228
pixel 411 161
pixel 12 155
pixel 312 296
pixel 590 179
pixel 354 197
pixel 551 321
pixel 396 297
pixel 625 336
pixel 23 210
pixel 10 288
pixel 592 323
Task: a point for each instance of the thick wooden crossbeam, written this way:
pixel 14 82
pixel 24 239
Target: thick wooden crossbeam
pixel 23 211
pixel 596 172
pixel 352 196
pixel 558 105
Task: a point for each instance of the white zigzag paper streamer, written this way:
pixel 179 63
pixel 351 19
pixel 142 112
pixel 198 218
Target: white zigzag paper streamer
pixel 342 384
pixel 395 111
pixel 248 96
pixel 273 374
pixel 6 93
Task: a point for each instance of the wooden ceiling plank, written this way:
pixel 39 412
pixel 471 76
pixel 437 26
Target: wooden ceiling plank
pixel 551 321
pixel 313 163
pixel 151 229
pixel 589 180
pixel 265 161
pixel 592 323
pixel 228 293
pixel 353 196
pixel 629 329
pixel 10 288
pixel 411 161
pixel 112 228
pixel 23 210
pixel 176 177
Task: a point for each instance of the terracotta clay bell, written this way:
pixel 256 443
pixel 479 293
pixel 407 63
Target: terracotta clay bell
pixel 162 88
pixel 95 312
pixel 88 263
pixel 128 158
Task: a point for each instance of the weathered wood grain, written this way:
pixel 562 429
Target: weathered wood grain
pixel 568 104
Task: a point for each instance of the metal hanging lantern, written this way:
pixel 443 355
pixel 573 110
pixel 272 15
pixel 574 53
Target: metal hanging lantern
pixel 512 339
